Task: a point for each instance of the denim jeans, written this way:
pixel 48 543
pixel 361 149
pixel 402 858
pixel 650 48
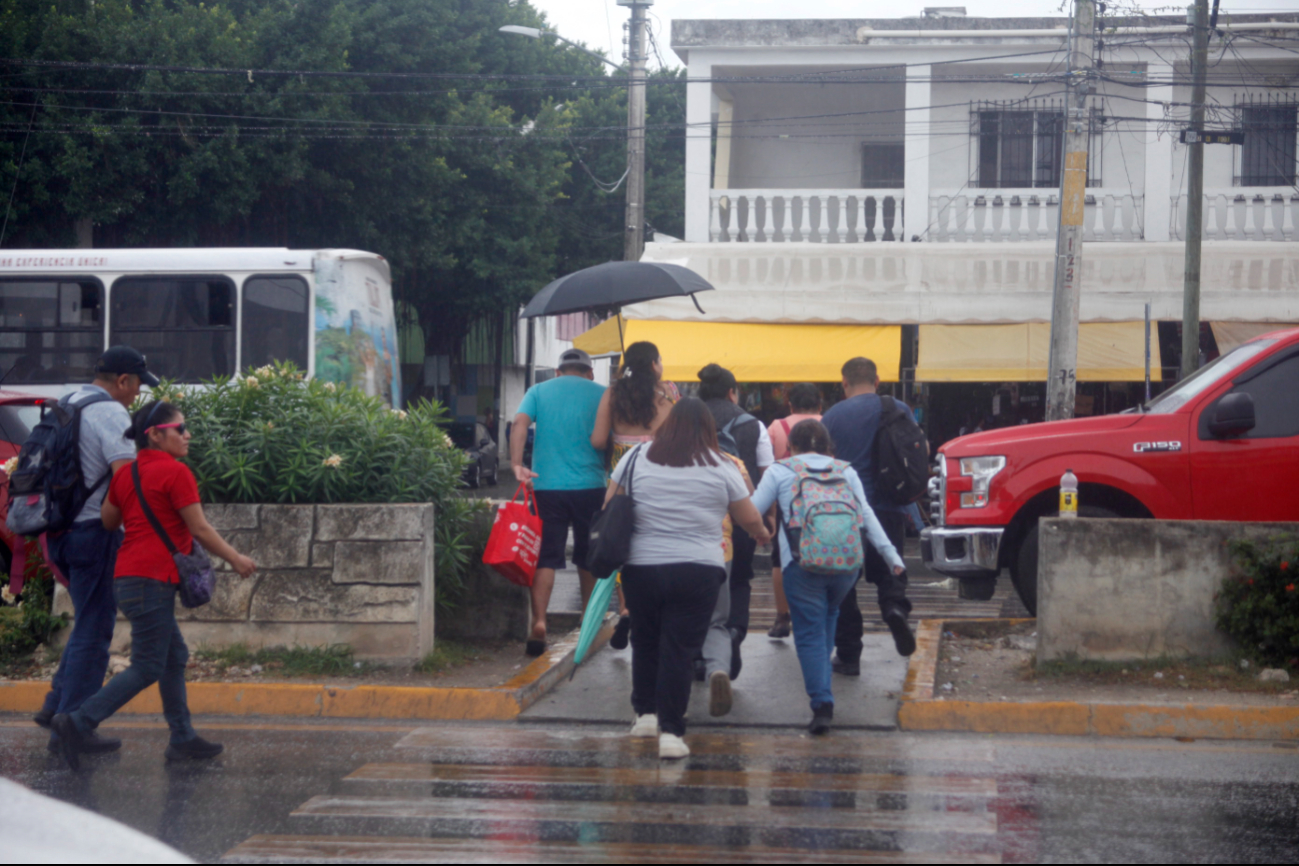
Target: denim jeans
pixel 814 601
pixel 158 655
pixel 85 554
pixel 671 606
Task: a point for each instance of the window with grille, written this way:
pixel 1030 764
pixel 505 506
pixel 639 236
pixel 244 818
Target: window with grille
pixel 1267 158
pixel 883 166
pixel 1022 147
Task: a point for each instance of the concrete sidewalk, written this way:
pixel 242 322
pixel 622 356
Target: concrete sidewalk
pixel 769 691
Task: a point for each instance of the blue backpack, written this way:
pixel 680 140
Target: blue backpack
pixel 47 491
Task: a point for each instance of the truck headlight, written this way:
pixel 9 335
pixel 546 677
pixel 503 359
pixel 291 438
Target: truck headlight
pixel 980 471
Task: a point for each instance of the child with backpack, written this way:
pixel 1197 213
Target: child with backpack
pixel 822 514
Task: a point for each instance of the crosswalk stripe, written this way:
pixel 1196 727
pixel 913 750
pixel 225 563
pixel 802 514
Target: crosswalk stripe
pixel 514 743
pixel 759 779
pixel 373 849
pixel 486 817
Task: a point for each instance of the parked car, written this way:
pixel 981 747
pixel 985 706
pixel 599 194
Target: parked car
pixel 484 459
pixel 19 413
pixel 1223 444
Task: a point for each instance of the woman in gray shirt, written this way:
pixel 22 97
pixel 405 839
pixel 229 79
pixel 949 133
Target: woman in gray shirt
pixel 682 487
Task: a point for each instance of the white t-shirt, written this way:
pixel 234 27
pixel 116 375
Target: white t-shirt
pixel 679 511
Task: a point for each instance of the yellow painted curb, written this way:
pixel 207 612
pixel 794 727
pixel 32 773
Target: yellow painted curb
pixel 500 703
pixel 919 710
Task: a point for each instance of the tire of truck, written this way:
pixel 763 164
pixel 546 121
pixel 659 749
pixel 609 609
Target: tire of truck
pixel 1023 574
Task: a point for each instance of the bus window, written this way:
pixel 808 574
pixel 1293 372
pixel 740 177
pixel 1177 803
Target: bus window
pixel 184 325
pixel 275 321
pixel 50 330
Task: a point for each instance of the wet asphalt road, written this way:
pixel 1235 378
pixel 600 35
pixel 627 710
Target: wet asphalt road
pixel 568 793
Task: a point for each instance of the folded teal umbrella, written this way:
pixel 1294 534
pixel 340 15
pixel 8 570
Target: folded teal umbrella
pixel 593 618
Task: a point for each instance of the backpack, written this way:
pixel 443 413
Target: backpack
pixel 901 459
pixel 726 436
pixel 47 491
pixel 825 523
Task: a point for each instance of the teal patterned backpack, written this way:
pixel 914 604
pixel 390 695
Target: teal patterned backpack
pixel 825 521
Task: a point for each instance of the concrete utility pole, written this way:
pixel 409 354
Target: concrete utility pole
pixel 635 239
pixel 1199 15
pixel 1062 379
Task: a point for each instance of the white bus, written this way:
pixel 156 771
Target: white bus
pixel 198 313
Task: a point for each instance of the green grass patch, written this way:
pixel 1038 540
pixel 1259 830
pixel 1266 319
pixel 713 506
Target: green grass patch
pixel 336 660
pixel 446 654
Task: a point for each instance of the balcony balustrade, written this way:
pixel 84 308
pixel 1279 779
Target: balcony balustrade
pixel 1031 215
pixel 815 215
pixel 1246 214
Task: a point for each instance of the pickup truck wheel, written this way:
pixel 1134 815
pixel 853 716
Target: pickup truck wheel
pixel 1023 573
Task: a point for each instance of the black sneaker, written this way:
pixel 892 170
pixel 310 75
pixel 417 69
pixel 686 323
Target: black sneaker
pixel 198 749
pixel 843 668
pixel 782 628
pixel 822 716
pixel 42 719
pixel 69 739
pixel 701 672
pixel 903 639
pixel 621 633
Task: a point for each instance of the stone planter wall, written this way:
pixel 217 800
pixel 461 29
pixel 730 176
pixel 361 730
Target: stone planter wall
pixel 355 574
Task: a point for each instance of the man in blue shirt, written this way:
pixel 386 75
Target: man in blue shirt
pixel 853 423
pixel 567 474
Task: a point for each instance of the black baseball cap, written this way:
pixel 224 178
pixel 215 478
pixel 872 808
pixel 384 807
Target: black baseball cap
pixel 124 359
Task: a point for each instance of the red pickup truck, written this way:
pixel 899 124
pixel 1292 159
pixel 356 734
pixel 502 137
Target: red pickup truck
pixel 1223 444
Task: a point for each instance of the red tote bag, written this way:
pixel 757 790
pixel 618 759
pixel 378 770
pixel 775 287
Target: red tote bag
pixel 515 542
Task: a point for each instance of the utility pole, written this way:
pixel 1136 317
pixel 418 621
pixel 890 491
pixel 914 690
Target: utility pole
pixel 1199 21
pixel 636 58
pixel 1062 381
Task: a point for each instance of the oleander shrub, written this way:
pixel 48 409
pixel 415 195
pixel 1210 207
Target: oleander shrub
pixel 27 620
pixel 1259 604
pixel 272 436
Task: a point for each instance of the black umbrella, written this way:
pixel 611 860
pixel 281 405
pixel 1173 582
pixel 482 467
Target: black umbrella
pixel 613 284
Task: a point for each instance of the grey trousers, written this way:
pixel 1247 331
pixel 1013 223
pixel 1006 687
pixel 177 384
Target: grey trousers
pixel 717 644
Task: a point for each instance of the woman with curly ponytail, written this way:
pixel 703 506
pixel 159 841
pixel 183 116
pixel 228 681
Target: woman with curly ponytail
pixel 630 412
pixel 636 404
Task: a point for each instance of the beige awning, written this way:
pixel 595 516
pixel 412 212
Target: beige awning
pixel 1229 335
pixel 1107 352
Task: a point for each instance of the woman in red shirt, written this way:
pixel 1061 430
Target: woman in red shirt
pixel 146 580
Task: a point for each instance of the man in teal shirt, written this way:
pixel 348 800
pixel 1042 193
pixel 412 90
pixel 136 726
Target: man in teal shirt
pixel 567 474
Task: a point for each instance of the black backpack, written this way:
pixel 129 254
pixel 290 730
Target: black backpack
pixel 726 435
pixel 901 455
pixel 47 491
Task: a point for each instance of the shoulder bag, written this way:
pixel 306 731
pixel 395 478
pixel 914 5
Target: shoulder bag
pixel 612 529
pixel 197 578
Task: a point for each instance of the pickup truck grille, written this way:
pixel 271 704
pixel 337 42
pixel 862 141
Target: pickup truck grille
pixel 938 494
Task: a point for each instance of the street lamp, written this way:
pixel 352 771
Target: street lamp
pixel 536 33
pixel 634 244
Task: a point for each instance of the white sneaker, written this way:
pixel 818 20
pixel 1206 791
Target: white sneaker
pixel 671 747
pixel 646 726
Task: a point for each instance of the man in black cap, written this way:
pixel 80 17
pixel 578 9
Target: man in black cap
pixel 87 553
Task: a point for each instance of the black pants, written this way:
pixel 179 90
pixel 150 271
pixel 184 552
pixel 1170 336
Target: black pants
pixel 892 589
pixel 671 606
pixel 741 581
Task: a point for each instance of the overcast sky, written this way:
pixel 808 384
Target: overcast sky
pixel 598 23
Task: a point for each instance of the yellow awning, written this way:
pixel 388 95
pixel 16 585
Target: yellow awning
pixel 1229 335
pixel 1107 352
pixel 754 352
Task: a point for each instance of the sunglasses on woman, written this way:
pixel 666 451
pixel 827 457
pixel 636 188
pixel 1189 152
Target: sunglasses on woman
pixel 180 427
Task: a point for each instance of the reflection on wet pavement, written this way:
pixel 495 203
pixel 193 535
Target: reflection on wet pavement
pixel 351 793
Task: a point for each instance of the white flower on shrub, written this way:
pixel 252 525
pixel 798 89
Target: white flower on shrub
pixel 251 382
pixel 399 413
pixel 7 596
pixel 10 465
pixel 333 461
pixel 330 387
pixel 270 425
pixel 265 372
pixel 447 439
